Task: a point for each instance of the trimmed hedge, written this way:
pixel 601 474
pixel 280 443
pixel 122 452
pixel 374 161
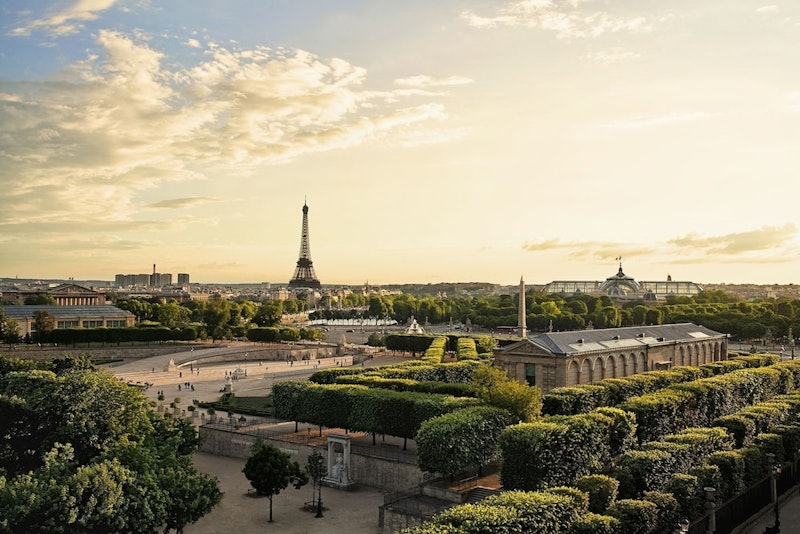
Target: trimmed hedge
pixel 583 398
pixel 700 402
pixel 359 408
pixel 435 352
pixel 601 489
pixel 452 442
pixel 466 350
pixel 405 384
pixel 558 450
pixel 635 517
pixel 455 372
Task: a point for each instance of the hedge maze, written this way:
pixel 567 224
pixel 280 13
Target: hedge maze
pixel 640 449
pixel 623 455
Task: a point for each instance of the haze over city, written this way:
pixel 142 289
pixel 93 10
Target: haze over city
pixel 432 141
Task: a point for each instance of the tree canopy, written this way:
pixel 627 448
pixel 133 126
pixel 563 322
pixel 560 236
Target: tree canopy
pixel 271 470
pixel 83 452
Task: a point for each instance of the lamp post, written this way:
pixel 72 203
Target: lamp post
pixel 775 473
pixel 710 506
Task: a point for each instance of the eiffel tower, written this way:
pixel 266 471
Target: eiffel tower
pixel 304 275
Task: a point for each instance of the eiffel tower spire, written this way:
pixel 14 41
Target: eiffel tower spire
pixel 304 275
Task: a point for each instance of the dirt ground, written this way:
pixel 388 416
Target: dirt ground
pixel 239 512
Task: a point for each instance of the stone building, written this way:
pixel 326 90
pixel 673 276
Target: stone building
pixel 71 317
pixel 556 359
pixel 67 294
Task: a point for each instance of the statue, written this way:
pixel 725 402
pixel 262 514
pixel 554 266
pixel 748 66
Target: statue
pixel 339 470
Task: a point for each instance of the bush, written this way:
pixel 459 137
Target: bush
pixel 643 470
pixel 687 491
pixel 731 465
pixel 539 512
pixel 451 442
pixel 592 523
pixel 667 507
pixel 635 517
pixel 602 491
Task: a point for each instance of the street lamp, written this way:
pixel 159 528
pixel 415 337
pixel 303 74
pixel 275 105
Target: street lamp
pixel 712 517
pixel 775 473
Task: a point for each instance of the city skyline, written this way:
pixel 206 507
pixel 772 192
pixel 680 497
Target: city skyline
pixel 453 141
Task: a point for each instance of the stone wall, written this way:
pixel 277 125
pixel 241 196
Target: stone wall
pixel 391 520
pixel 374 472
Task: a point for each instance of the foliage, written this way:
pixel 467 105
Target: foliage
pixel 451 442
pixel 602 491
pixel 583 398
pixel 317 470
pixel 510 512
pixel 635 517
pixel 361 409
pixel 405 384
pixel 83 452
pixel 496 389
pixel 592 523
pixel 457 372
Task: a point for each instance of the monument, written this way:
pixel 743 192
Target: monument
pixel 339 475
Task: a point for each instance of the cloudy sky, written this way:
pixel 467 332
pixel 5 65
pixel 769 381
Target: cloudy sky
pixel 433 141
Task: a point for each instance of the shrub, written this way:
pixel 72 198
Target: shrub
pixel 451 442
pixel 667 507
pixel 731 466
pixel 592 523
pixel 539 512
pixel 643 470
pixel 602 491
pixel 635 517
pixel 688 494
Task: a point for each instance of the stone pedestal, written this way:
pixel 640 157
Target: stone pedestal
pixel 339 463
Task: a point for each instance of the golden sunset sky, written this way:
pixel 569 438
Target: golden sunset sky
pixel 433 141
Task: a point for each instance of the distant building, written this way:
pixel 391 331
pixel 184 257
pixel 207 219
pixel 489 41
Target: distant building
pixel 154 280
pixel 71 317
pixel 67 294
pixel 623 287
pixel 556 359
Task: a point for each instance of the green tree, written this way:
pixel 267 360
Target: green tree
pixel 269 313
pixel 9 329
pixel 43 323
pixel 496 389
pixel 215 316
pixel 82 452
pixel 316 469
pixel 42 299
pixel 271 470
pixel 172 314
pixel 451 442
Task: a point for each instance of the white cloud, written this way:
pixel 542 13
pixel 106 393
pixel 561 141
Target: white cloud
pixel 68 20
pixel 427 81
pixel 661 120
pixel 768 244
pixel 193 43
pixel 767 9
pixel 612 57
pixel 120 123
pixel 566 18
